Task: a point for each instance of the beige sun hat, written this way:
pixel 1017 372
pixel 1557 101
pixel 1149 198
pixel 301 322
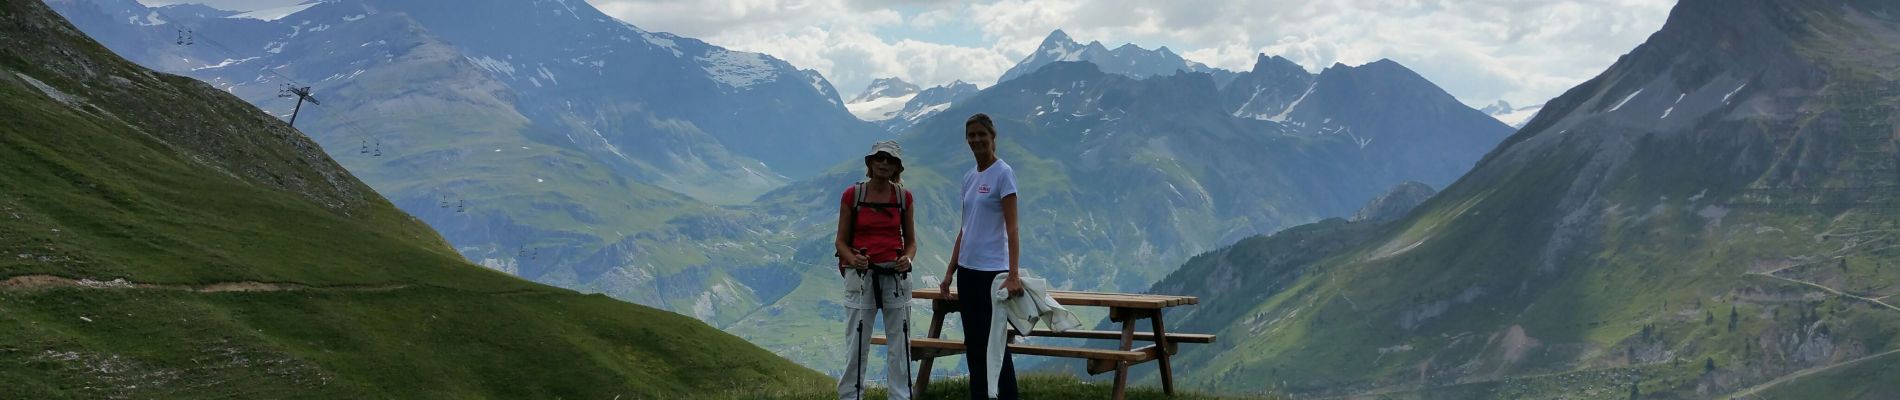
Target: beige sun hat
pixel 887 147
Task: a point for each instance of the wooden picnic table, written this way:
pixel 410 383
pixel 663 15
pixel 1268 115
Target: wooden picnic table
pixel 1124 308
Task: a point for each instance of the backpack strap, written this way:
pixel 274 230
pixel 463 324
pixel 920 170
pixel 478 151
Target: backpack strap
pixel 852 217
pixel 902 204
pixel 858 203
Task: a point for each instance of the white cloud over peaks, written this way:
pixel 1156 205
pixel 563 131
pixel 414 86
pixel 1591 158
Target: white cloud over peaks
pixel 234 5
pixel 1523 51
pixel 835 37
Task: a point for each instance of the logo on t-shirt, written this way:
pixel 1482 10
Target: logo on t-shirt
pixel 983 189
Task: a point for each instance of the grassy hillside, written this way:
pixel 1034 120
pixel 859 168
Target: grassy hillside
pixel 164 239
pixel 1038 387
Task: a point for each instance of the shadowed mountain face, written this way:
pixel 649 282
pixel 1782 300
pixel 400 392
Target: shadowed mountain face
pixel 1711 217
pixel 1385 108
pixel 168 240
pixel 1395 203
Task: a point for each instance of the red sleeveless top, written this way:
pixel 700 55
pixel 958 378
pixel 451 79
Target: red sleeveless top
pixel 879 224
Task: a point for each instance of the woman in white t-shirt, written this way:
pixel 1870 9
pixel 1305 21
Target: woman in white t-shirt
pixel 987 245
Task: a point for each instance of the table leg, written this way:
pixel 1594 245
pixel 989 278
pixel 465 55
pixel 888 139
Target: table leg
pixel 1128 342
pixel 1161 342
pixel 937 311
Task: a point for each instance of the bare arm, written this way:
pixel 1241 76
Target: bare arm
pixel 950 272
pixel 844 226
pixel 847 255
pixel 910 233
pixel 1009 226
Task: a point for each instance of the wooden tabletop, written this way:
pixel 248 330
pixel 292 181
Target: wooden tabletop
pixel 1073 298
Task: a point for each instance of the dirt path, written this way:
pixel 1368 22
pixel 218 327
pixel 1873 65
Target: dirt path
pixel 43 282
pixel 1745 394
pixel 1831 290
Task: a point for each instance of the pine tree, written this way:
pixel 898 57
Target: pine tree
pixel 1733 318
pixel 1708 365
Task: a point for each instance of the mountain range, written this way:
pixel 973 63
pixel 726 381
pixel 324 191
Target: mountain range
pixel 1127 59
pixel 896 105
pixel 1710 217
pixel 559 164
pixel 1124 178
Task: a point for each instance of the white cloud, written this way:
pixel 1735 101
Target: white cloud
pixel 934 18
pixel 835 37
pixel 234 5
pixel 1524 51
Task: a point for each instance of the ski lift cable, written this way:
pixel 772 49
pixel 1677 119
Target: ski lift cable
pixel 233 54
pixel 230 54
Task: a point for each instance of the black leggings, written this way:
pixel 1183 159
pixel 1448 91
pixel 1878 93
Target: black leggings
pixel 973 302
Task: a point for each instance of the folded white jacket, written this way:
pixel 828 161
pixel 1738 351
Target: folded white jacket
pixel 1023 313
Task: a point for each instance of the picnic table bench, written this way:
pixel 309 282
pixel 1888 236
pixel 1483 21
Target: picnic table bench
pixel 1123 308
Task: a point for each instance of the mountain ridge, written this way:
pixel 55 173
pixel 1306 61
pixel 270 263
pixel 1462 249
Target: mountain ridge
pixel 1672 228
pixel 1127 59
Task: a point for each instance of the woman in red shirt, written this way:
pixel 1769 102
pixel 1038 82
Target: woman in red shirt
pixel 876 242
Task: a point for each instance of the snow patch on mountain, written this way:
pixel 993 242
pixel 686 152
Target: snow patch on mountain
pixel 1516 117
pixel 227 62
pixel 737 69
pixel 1672 106
pixel 823 87
pixel 493 65
pixel 1626 100
pixel 879 109
pixel 151 19
pixel 1731 93
pixel 1290 106
pixel 664 43
pixel 570 9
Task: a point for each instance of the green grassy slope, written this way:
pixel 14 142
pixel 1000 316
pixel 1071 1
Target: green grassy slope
pixel 262 270
pixel 1033 386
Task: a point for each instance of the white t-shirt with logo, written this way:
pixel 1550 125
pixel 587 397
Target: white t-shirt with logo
pixel 985 238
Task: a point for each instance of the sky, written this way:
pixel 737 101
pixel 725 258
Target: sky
pixel 1482 51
